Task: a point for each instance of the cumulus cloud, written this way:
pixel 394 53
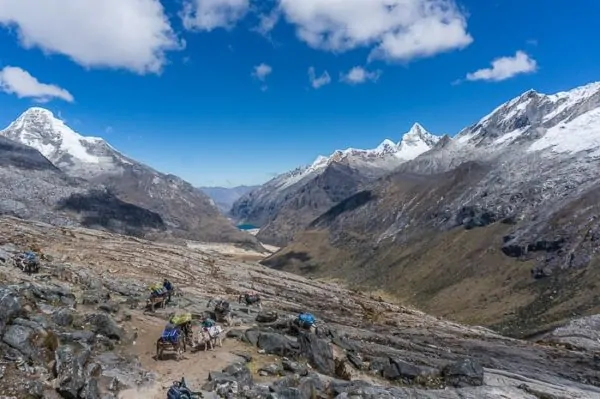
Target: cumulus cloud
pixel 358 75
pixel 128 34
pixel 14 80
pixel 505 67
pixel 318 81
pixel 396 30
pixel 207 15
pixel 262 71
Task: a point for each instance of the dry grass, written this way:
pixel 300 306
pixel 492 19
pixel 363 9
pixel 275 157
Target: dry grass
pixel 460 274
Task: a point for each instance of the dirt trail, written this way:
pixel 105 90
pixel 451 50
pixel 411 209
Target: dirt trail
pixel 195 366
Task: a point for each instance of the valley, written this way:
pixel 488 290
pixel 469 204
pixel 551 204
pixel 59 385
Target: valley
pixel 359 333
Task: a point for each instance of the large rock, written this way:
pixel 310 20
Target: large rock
pixel 63 317
pixel 70 370
pixel 277 344
pixel 54 294
pixel 463 373
pixel 10 306
pixel 231 380
pixel 102 323
pixel 400 370
pixel 318 352
pixel 266 317
pixel 21 338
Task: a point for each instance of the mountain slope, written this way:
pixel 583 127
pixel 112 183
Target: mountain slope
pixel 31 187
pixel 287 203
pixel 498 226
pixel 225 197
pixel 186 212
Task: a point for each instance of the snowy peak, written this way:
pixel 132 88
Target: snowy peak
pixel 415 142
pixel 386 155
pixel 39 128
pixel 527 116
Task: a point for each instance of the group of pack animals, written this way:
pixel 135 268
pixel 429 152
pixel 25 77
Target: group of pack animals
pixel 178 337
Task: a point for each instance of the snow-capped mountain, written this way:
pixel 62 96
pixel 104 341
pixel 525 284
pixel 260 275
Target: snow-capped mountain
pixel 73 153
pixel 521 127
pixel 528 117
pixel 526 177
pixel 291 200
pixel 187 212
pixel 386 155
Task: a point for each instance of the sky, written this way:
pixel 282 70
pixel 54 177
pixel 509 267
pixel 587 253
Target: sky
pixel 230 92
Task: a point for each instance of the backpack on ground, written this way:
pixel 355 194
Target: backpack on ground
pixel 306 320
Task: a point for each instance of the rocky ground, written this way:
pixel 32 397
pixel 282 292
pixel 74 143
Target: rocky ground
pixel 77 330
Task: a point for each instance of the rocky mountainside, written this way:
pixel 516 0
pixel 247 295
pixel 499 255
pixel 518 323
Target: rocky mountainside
pixel 497 226
pixel 77 329
pixel 289 202
pixel 224 197
pixel 32 187
pixel 184 211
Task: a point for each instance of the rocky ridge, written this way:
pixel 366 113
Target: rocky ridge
pixel 92 164
pixel 289 202
pixel 85 299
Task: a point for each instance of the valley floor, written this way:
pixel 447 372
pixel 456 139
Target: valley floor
pixel 371 327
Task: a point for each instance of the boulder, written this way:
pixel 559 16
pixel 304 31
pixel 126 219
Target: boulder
pixel 463 373
pixel 10 306
pixel 102 323
pixel 267 317
pixel 277 344
pixel 21 338
pixel 63 317
pixel 70 370
pixel 318 352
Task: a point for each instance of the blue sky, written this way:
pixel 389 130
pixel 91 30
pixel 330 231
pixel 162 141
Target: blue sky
pixel 174 87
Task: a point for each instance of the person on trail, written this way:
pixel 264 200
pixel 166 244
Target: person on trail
pixel 208 322
pixel 169 288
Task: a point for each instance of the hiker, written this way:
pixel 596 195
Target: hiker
pixel 169 288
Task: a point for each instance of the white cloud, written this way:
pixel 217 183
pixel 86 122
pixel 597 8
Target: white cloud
pixel 317 82
pixel 14 80
pixel 505 67
pixel 358 75
pixel 266 22
pixel 128 34
pixel 262 71
pixel 396 30
pixel 206 15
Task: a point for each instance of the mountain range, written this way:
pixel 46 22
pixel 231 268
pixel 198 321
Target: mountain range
pixel 53 174
pixel 289 202
pixel 497 226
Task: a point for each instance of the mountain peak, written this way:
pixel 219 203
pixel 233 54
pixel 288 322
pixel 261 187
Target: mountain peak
pixel 37 111
pixel 416 129
pixel 39 128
